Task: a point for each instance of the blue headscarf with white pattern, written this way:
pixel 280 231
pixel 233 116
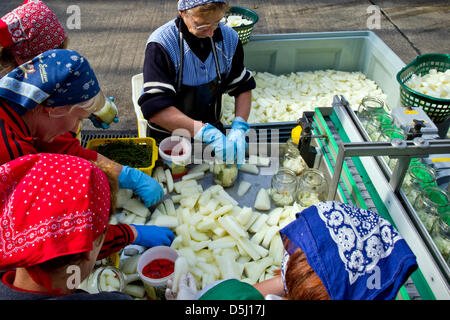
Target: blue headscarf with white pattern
pixel 357 254
pixel 188 4
pixel 54 78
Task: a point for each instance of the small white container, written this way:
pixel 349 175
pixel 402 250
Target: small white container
pixel 156 287
pixel 175 151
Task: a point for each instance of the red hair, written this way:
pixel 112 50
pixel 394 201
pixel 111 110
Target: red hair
pixel 301 281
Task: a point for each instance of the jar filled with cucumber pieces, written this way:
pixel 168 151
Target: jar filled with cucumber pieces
pixel 284 187
pixel 225 174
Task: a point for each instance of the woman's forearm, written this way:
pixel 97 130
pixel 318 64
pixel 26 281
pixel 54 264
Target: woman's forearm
pixel 243 104
pixel 173 119
pixel 108 166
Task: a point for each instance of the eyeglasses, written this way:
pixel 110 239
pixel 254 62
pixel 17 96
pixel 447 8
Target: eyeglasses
pixel 204 26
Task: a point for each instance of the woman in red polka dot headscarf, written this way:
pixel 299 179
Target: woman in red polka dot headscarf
pixel 46 226
pixel 27 31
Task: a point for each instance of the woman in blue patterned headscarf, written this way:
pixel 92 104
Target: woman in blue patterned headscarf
pixel 332 251
pixel 340 252
pixel 45 99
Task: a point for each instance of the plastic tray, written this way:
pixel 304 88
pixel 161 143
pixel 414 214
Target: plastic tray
pixel 95 143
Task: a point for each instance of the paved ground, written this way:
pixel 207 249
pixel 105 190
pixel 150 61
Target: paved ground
pixel 113 33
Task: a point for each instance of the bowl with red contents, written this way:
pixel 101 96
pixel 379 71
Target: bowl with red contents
pixel 175 151
pixel 155 267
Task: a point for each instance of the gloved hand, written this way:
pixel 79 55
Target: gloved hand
pixel 143 185
pixel 236 138
pixel 152 236
pixel 212 136
pixel 98 122
pixel 187 288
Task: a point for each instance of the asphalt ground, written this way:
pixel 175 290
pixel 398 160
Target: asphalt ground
pixel 112 34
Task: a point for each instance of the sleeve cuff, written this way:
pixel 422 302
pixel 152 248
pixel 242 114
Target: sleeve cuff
pixel 156 104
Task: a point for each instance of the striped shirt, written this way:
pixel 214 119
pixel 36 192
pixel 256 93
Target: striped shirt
pixel 162 63
pixel 16 141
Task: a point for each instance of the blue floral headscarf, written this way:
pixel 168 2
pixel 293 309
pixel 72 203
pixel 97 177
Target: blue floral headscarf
pixel 54 78
pixel 357 254
pixel 188 4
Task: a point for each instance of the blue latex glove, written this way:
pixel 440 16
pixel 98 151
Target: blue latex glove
pixel 216 139
pixel 98 122
pixel 236 138
pixel 147 188
pixel 152 236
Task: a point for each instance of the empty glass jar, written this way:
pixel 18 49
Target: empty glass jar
pixel 428 204
pixel 284 186
pixel 386 134
pixel 368 107
pixel 416 179
pixel 376 124
pixel 441 237
pixel 312 187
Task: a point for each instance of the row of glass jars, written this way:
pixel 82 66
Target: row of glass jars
pixel 377 121
pixel 432 206
pixel 309 188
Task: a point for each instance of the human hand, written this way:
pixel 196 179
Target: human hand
pixel 152 236
pixel 102 118
pixel 187 288
pixel 98 123
pixel 147 188
pixel 236 138
pixel 217 140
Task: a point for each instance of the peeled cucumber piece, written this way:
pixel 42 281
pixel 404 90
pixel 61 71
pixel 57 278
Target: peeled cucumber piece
pixel 181 267
pixel 243 188
pixel 262 201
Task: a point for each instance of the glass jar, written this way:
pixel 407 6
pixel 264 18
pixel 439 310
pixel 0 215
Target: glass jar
pixel 441 237
pixel 102 279
pixel 312 188
pixel 386 134
pixel 378 124
pixel 417 178
pixel 110 279
pixel 225 174
pixel 429 202
pixel 368 107
pixel 289 149
pixel 290 157
pixel 284 186
pixel 445 213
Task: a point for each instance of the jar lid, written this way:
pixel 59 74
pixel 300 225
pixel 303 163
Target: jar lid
pixel 296 133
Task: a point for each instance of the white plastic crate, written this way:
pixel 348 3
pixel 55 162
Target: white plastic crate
pixel 137 81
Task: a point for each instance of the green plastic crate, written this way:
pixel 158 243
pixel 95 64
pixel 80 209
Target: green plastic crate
pixel 437 109
pixel 244 31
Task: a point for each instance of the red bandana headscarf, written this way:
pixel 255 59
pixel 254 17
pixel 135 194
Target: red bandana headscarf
pixel 30 30
pixel 50 205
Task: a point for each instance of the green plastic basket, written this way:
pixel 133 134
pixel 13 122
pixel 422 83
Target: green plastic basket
pixel 437 109
pixel 245 31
